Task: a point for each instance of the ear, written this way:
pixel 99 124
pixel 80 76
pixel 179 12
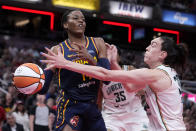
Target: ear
pixel 65 25
pixel 163 54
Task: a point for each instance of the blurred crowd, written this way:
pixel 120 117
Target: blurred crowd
pixel 20 106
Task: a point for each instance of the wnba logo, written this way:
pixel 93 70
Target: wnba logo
pixel 74 120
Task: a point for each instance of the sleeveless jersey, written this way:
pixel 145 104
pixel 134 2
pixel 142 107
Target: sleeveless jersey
pixel 166 107
pixel 118 100
pixel 77 86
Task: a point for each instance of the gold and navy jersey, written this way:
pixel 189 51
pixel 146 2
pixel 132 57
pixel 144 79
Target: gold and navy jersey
pixel 78 86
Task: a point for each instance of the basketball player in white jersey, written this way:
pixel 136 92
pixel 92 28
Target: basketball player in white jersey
pixel 122 110
pixel 162 56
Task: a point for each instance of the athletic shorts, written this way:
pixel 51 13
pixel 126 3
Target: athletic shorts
pixel 124 122
pixel 81 116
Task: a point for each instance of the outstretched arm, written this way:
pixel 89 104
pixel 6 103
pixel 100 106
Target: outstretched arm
pixel 49 73
pixel 139 76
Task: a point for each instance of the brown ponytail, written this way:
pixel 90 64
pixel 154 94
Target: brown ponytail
pixel 176 53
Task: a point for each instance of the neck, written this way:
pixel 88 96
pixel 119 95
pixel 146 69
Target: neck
pixel 77 39
pixel 153 66
pixel 40 104
pixel 12 125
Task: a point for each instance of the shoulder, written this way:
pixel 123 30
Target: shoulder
pixel 5 127
pixel 47 107
pixel 161 80
pixel 153 72
pixel 100 43
pixel 19 126
pixel 32 109
pixel 55 48
pixel 15 113
pixel 99 40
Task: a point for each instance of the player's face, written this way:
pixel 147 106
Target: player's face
pixel 75 22
pixel 153 52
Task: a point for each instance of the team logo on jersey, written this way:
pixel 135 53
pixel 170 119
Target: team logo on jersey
pixel 74 120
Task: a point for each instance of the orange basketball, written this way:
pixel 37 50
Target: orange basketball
pixel 29 78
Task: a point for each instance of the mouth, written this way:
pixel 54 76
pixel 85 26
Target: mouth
pixel 81 26
pixel 145 53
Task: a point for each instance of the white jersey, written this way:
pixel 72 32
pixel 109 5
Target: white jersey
pixel 115 98
pixel 166 107
pixel 122 110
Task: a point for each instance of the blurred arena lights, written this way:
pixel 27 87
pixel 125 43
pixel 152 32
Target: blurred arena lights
pixel 177 33
pixel 121 24
pixel 51 14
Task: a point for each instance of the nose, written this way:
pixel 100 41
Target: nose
pixel 147 48
pixel 81 20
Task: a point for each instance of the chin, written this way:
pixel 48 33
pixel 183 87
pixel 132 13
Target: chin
pixel 146 61
pixel 79 32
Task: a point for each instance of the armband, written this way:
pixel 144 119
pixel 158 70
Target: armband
pixel 104 62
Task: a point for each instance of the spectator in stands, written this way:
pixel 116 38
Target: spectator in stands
pixel 11 124
pixel 30 102
pixel 39 116
pixel 51 104
pixel 21 115
pixel 186 102
pixel 13 92
pixel 2 116
pixel 9 106
pixel 51 92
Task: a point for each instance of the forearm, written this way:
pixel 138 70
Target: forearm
pixel 139 76
pixel 132 88
pixel 50 122
pixel 93 71
pixel 115 66
pixel 100 73
pixel 31 123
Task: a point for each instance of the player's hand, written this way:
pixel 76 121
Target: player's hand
pixel 54 60
pixel 108 47
pixel 82 53
pixel 112 53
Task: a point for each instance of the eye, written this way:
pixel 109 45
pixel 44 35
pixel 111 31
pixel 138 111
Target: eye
pixel 153 44
pixel 75 18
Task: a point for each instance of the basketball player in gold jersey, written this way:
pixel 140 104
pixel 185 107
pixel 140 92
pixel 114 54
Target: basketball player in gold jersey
pixel 76 108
